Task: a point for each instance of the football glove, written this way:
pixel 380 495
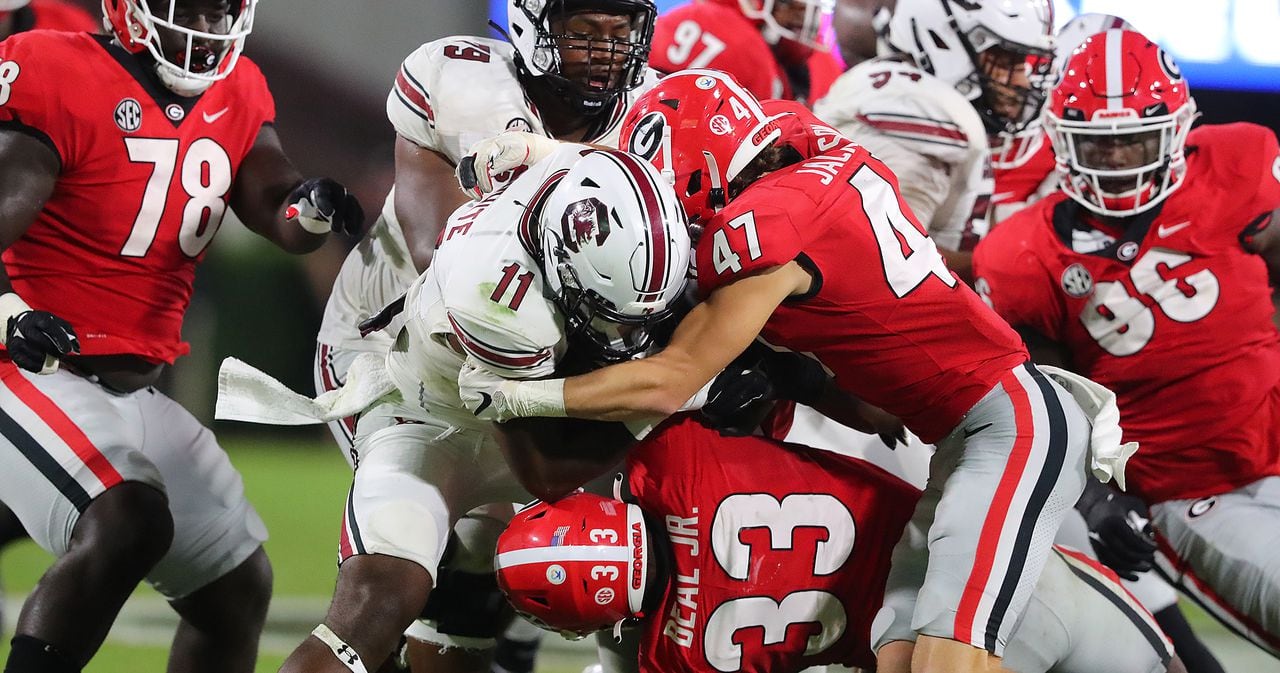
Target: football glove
pixel 489 163
pixel 738 400
pixel 36 340
pixel 493 398
pixel 1119 529
pixel 321 205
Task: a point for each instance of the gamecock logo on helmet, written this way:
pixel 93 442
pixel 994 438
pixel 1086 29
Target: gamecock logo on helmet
pixel 585 221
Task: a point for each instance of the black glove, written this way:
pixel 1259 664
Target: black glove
pixel 1120 530
pixel 738 401
pixel 323 204
pixel 795 377
pixel 31 336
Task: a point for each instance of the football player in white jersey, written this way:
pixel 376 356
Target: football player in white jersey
pixel 576 260
pixel 953 72
pixel 571 71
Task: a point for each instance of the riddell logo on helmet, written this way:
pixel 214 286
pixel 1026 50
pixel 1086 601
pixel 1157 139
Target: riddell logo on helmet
pixel 637 556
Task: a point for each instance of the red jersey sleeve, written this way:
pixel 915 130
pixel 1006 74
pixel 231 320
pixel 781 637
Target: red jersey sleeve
pixel 1254 171
pixel 1012 278
pixel 756 236
pixel 59 15
pixel 704 35
pixel 29 62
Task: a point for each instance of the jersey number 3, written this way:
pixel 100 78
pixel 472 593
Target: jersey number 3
pixel 781 517
pixel 205 178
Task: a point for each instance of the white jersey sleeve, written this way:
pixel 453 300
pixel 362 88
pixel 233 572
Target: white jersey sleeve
pixel 928 134
pixel 456 91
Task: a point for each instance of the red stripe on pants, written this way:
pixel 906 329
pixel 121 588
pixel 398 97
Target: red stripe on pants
pixel 60 423
pixel 993 525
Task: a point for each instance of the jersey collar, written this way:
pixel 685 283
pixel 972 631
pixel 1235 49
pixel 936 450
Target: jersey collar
pixel 139 69
pixel 1070 217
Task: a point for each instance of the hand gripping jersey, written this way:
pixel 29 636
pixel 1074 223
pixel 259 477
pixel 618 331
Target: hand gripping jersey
pixel 1030 180
pixel 710 35
pixel 53 15
pixel 769 574
pixel 483 296
pixel 447 95
pixel 1172 313
pixel 928 134
pixel 885 315
pixel 144 185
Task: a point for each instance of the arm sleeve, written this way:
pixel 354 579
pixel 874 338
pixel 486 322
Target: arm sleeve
pixel 1258 170
pixel 409 105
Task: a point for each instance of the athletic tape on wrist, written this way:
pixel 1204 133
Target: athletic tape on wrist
pixel 344 652
pixel 535 398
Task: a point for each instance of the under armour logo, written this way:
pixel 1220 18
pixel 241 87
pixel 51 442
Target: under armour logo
pixel 350 654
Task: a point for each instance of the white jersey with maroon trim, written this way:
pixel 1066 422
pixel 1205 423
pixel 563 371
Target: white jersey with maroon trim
pixel 928 135
pixel 483 296
pixel 447 95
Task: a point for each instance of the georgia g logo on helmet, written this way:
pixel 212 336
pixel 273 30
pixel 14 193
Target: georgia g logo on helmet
pixel 646 139
pixel 585 221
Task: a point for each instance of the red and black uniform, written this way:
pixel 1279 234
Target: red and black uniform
pixel 773 574
pixel 145 181
pixel 1170 312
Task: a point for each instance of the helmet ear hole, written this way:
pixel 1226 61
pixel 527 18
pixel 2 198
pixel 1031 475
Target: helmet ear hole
pixel 695 183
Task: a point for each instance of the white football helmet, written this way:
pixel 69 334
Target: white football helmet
pixel 10 5
pixel 615 251
pixel 539 49
pixel 947 38
pixel 205 58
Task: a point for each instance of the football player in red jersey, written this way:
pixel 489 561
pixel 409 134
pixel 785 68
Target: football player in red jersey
pixel 773 47
pixel 1149 272
pixel 747 554
pixel 17 16
pixel 119 156
pixel 818 255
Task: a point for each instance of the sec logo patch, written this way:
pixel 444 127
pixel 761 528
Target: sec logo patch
pixel 128 115
pixel 604 596
pixel 720 125
pixel 1077 281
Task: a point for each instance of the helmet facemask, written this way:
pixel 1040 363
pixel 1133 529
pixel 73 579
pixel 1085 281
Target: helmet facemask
pixel 594 321
pixel 1155 145
pixel 188 59
pixel 809 17
pixel 584 54
pixel 1003 86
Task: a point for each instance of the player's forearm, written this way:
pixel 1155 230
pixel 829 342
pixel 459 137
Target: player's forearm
pixel 635 390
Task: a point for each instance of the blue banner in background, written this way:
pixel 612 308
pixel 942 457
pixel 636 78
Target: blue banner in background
pixel 1220 44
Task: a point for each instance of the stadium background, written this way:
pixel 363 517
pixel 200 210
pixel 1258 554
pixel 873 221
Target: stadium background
pixel 329 63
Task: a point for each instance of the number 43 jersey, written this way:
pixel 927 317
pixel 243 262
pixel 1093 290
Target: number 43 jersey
pixel 144 184
pixel 779 552
pixel 884 314
pixel 1171 313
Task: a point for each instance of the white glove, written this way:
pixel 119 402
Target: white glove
pixel 493 398
pixel 486 164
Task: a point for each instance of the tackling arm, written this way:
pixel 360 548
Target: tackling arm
pixel 706 340
pixel 426 195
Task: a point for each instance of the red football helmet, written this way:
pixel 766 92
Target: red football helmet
pixel 700 128
pixel 575 566
pixel 205 58
pixel 800 21
pixel 1119 120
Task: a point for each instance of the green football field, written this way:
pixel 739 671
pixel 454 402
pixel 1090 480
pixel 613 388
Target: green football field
pixel 298 485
